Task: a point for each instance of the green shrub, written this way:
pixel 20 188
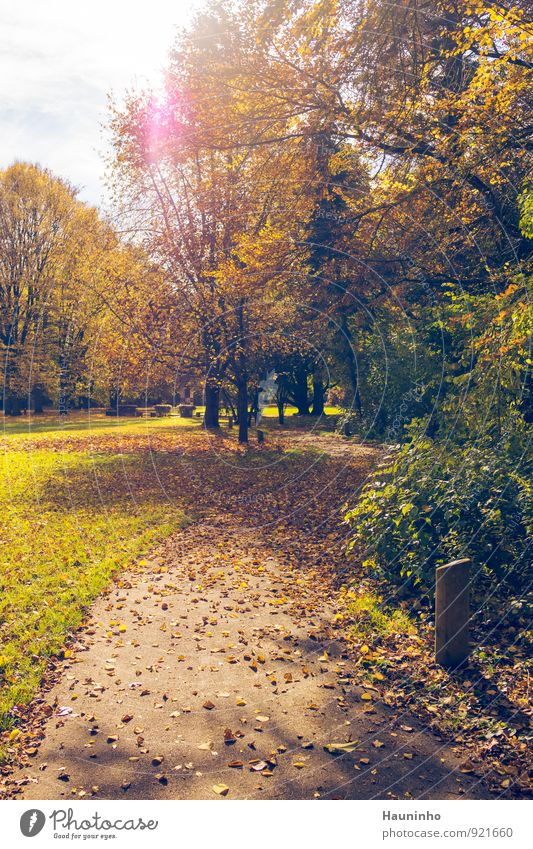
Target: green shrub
pixel 432 503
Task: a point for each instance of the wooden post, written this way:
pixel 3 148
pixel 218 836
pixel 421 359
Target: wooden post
pixel 260 436
pixel 230 422
pixel 346 429
pixel 452 613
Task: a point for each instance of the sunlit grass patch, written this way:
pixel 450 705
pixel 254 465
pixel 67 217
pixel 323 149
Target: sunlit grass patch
pixel 85 422
pixel 271 411
pixel 70 520
pixel 370 616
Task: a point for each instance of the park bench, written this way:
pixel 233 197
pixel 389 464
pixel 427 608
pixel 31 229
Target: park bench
pixel 162 409
pixel 122 410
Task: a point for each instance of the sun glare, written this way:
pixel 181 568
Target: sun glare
pixel 60 61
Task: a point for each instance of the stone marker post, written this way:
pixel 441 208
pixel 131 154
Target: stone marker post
pixel 452 613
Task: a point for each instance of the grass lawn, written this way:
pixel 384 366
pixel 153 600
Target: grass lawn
pixel 83 421
pixel 70 519
pixel 81 496
pixel 271 411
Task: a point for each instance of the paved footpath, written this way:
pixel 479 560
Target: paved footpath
pixel 212 669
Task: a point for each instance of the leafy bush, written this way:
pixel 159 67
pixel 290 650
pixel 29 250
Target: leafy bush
pixel 432 503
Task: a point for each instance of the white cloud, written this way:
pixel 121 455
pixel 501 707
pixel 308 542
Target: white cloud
pixel 59 60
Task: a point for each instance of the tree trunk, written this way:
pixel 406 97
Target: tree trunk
pixel 64 399
pixel 301 398
pixel 212 401
pixel 347 338
pixel 318 396
pixel 254 408
pixel 13 406
pixel 242 408
pixel 281 411
pixel 242 378
pixel 38 398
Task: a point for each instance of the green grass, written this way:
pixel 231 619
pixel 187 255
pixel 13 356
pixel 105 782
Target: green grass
pixel 370 617
pixel 71 518
pixel 85 422
pixel 271 411
pixel 77 506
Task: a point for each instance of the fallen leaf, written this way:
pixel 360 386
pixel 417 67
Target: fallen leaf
pixel 341 748
pixel 221 789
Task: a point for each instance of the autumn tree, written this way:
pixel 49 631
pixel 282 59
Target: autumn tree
pixel 220 226
pixel 57 257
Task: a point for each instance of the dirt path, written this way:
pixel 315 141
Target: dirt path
pixel 215 669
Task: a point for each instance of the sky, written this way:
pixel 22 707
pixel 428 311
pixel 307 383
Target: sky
pixel 59 61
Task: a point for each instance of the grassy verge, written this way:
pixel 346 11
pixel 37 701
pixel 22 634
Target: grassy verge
pixel 484 708
pixel 370 617
pixel 71 518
